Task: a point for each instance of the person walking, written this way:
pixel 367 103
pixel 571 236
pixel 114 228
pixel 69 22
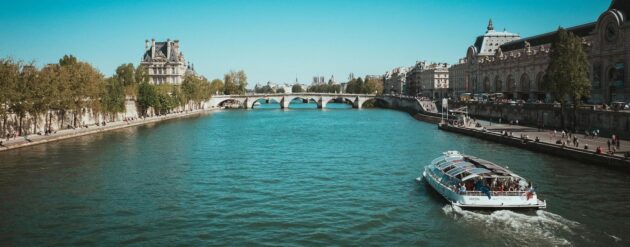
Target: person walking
pixel 608 142
pixel 618 142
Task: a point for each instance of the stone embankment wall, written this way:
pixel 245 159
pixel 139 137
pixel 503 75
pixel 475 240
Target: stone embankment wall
pixel 549 117
pixel 87 116
pixel 421 110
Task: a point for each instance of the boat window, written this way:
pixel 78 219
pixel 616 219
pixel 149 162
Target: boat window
pixel 456 171
pixel 479 171
pixel 448 168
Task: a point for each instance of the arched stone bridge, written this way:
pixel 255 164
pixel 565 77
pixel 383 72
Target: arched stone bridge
pixel 247 101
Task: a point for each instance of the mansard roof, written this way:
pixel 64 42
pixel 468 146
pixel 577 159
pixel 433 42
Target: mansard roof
pixel 547 38
pixel 160 52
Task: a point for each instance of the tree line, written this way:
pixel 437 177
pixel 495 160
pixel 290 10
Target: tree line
pixel 354 86
pixel 76 87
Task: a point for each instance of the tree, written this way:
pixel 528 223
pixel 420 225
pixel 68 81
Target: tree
pixel 216 86
pixel 40 94
pixel 51 82
pixel 373 86
pixel 125 74
pixel 195 89
pixel 113 96
pixel 67 60
pixel 235 82
pixel 147 97
pixel 567 73
pixel 20 101
pixel 84 83
pixel 297 88
pixel 9 76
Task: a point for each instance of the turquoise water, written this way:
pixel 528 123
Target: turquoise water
pixel 337 176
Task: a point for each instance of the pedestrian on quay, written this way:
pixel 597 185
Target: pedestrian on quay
pixel 618 142
pixel 608 142
pixel 577 143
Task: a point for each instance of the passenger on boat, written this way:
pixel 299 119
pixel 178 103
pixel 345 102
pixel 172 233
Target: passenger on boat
pixel 462 189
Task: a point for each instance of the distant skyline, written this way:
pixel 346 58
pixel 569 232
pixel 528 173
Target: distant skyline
pixel 275 40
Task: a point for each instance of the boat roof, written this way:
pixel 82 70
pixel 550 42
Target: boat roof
pixel 475 167
pixel 494 168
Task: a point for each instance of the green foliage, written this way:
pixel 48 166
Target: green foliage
pixel 325 88
pixel 264 89
pixel 113 98
pixel 567 73
pixel 235 82
pixel 297 88
pixel 67 60
pixel 195 89
pixel 373 86
pixel 125 74
pixel 147 97
pixel 369 86
pixel 216 86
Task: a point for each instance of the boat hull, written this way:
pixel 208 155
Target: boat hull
pixel 482 201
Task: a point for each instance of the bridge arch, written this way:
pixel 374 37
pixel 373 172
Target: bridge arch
pixel 224 102
pixel 253 100
pixel 304 97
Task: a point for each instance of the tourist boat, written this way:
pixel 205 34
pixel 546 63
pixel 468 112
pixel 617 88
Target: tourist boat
pixel 256 103
pixel 469 182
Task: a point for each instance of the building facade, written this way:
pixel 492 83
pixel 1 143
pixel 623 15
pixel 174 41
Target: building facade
pixel 434 81
pixel 164 62
pixel 395 81
pixel 458 81
pixel 516 67
pixel 413 79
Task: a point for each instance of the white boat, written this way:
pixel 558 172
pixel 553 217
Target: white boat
pixel 469 182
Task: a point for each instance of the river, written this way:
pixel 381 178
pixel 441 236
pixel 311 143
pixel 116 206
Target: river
pixel 336 176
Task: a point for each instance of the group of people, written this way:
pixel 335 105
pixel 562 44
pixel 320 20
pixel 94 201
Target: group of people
pixel 493 184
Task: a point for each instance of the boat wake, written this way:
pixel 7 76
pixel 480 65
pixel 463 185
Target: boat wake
pixel 542 228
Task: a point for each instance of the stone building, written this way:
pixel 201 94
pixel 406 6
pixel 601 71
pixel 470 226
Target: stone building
pixel 516 67
pixel 457 78
pixel 413 79
pixel 395 81
pixel 434 81
pixel 164 62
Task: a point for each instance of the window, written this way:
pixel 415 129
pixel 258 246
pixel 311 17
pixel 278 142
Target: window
pixel 597 76
pixel 616 75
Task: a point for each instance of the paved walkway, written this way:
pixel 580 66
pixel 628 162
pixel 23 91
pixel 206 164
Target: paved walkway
pixel 548 136
pixel 34 139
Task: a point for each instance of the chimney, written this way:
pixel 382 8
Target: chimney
pixel 152 48
pixel 168 48
pixel 146 44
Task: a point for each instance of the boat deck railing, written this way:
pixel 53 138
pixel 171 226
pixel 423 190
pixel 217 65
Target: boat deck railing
pixel 495 193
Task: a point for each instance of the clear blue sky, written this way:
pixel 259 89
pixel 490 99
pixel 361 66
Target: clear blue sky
pixel 275 40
